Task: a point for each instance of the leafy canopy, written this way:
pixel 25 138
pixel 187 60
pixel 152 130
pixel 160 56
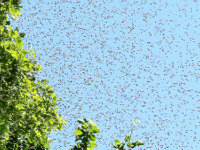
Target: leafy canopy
pixel 28 111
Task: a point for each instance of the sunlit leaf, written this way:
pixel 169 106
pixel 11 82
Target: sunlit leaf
pixel 117 142
pixel 93 144
pixel 78 132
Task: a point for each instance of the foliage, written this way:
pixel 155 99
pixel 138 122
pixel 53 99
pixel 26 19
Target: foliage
pixel 85 135
pixel 127 141
pixel 28 111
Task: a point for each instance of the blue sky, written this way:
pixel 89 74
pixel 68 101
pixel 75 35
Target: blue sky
pixel 113 61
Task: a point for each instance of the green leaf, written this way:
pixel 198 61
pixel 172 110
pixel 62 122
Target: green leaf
pixel 7 137
pixel 15 12
pixel 22 35
pixel 93 144
pixel 81 121
pixel 117 142
pixel 98 131
pixel 138 143
pixel 94 129
pixel 85 119
pixel 92 124
pixel 50 121
pixel 19 106
pixel 93 138
pixel 38 123
pixel 37 133
pixel 129 144
pixel 7 22
pixel 78 132
pixel 47 146
pixel 85 125
pixel 127 138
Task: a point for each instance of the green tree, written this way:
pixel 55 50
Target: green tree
pixel 85 137
pixel 28 111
